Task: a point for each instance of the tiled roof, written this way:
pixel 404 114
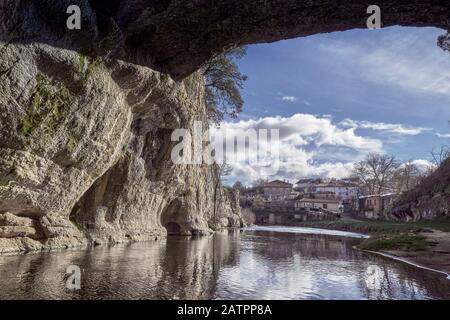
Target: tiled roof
pixel 336 185
pixel 278 184
pixel 320 200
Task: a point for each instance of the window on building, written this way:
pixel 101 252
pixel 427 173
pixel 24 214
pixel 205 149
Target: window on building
pixel 325 206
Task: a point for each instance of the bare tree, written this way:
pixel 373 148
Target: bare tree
pixel 258 183
pixel 238 185
pixel 439 155
pixel 407 176
pixel 376 172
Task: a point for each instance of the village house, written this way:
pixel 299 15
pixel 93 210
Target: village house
pixel 280 206
pixel 344 190
pixel 277 189
pixel 331 205
pixel 373 206
pixel 293 195
pixel 321 195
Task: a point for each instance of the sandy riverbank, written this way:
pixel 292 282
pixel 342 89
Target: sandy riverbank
pixel 432 253
pixel 436 256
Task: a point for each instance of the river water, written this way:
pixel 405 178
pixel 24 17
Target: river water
pixel 258 263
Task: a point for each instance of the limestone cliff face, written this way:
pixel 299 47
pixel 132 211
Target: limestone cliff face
pixel 85 151
pixel 430 199
pixel 144 192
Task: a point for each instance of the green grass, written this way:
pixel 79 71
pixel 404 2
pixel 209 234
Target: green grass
pixel 381 227
pixel 387 235
pixel 406 242
pixel 438 224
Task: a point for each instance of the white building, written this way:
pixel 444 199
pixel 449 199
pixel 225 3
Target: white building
pixel 331 205
pixel 277 189
pixel 344 190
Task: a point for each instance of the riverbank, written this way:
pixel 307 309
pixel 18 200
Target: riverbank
pixel 424 243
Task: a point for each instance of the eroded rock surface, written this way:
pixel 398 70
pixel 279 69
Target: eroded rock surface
pixel 429 200
pixel 85 148
pixel 85 154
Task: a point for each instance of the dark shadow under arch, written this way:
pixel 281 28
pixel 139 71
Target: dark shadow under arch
pixel 171 217
pixel 173 228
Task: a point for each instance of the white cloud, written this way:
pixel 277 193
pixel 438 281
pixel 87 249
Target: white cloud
pixel 386 127
pixel 422 164
pixel 309 146
pixel 288 98
pixel 443 135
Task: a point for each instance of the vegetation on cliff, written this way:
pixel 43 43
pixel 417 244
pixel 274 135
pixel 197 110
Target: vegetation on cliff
pixel 223 82
pixel 48 106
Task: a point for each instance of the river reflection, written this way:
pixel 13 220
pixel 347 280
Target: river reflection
pixel 254 264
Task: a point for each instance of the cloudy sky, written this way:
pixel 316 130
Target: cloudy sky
pixel 335 97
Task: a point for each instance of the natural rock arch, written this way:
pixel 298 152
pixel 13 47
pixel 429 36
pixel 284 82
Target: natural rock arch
pixel 178 36
pixel 172 228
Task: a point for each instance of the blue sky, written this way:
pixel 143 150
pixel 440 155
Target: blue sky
pixel 355 92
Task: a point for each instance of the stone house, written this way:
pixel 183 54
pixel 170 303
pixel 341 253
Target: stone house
pixel 331 205
pixel 277 189
pixel 344 190
pixel 280 206
pixel 373 206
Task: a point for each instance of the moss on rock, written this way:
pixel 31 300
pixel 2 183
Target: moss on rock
pixel 48 106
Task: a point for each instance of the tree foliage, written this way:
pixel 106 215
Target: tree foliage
pixel 238 185
pixel 223 85
pixel 444 41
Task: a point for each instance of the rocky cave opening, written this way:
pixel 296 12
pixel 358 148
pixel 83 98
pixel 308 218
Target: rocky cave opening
pixel 170 217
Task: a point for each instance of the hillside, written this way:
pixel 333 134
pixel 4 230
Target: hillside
pixel 430 199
